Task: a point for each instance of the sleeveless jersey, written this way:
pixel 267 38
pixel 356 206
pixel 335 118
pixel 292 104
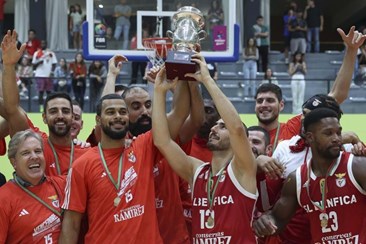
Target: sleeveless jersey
pixel 343 220
pixel 232 209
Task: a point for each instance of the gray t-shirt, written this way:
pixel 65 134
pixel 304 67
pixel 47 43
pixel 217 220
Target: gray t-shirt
pixel 123 9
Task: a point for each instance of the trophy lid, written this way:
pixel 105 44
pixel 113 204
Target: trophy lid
pixel 189 11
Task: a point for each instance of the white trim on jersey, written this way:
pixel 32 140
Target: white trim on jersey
pixel 352 177
pixel 237 184
pixel 299 185
pixel 198 171
pixel 65 205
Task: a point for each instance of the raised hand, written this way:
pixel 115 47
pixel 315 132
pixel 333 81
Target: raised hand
pixel 10 53
pixel 115 64
pixel 162 83
pixel 353 39
pixel 202 74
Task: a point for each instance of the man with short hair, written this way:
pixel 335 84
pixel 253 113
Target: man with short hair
pixel 113 185
pixel 59 148
pixel 30 203
pixel 259 140
pixel 224 192
pixel 329 187
pixel 77 123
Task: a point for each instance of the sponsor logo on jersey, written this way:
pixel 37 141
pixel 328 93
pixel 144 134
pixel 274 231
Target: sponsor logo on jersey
pixel 48 225
pixel 23 212
pixel 129 180
pixel 218 200
pixel 340 181
pixel 129 213
pixel 340 238
pixel 333 202
pixel 53 165
pixel 159 203
pixel 155 170
pixel 218 237
pixel 131 157
pixel 103 175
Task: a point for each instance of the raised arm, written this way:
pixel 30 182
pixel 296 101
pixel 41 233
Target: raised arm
pixel 196 117
pixel 353 40
pixel 275 220
pixel 243 163
pixel 114 67
pixel 14 114
pixel 184 165
pixel 70 227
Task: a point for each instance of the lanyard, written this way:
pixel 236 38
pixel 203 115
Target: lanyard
pixel 106 169
pixel 56 158
pixel 58 213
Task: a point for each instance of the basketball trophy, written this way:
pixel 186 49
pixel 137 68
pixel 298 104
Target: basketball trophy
pixel 188 23
pixel 175 51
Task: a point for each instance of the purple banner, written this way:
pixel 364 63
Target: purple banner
pixel 219 38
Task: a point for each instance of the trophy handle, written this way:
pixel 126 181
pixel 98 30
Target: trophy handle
pixel 170 34
pixel 202 35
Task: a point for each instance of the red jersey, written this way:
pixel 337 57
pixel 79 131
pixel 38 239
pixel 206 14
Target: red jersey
pixel 343 220
pixel 63 154
pixel 90 191
pixel 36 129
pixel 24 219
pixel 169 204
pixel 287 130
pixel 232 209
pixel 197 147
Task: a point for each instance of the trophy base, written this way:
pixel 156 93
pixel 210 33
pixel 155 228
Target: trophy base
pixel 179 70
pixel 178 64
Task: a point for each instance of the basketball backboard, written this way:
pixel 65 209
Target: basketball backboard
pixel 151 19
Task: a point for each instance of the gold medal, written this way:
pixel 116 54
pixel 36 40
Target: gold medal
pixel 324 222
pixel 210 222
pixel 116 201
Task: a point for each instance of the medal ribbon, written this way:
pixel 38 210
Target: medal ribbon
pixel 106 169
pixel 58 213
pixel 211 193
pixel 323 187
pixel 276 137
pixel 56 158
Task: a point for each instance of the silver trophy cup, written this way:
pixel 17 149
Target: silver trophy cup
pixel 188 31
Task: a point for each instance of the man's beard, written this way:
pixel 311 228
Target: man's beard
pixel 115 135
pixel 267 121
pixel 138 127
pixel 59 133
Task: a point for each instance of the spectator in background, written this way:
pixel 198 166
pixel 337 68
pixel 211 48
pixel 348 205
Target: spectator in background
pixel 63 82
pixel 69 24
pixel 44 63
pixel 78 78
pixel 33 43
pixel 76 21
pixel 287 18
pixel 315 22
pixel 297 71
pixel 97 76
pixel 269 78
pixel 250 57
pixel 297 28
pixel 215 14
pixel 24 73
pixel 261 34
pixel 122 12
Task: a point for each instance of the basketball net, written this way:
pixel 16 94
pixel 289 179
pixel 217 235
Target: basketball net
pixel 156 49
